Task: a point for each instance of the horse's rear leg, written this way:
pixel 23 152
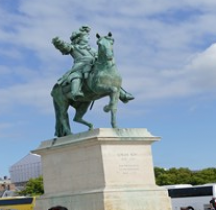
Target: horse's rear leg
pixel 80 111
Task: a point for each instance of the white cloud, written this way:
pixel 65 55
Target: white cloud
pixel 152 54
pixel 4 70
pixel 196 77
pixel 202 70
pixel 35 94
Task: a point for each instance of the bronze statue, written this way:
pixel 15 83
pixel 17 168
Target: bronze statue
pixel 94 75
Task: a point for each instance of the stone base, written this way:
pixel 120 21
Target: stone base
pixel 103 169
pixel 134 199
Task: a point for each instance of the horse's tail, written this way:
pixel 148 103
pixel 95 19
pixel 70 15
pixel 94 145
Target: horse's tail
pixel 57 115
pixel 62 126
pixel 56 108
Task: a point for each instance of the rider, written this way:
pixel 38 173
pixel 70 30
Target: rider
pixel 84 57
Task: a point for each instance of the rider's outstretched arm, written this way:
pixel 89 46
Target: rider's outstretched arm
pixel 64 47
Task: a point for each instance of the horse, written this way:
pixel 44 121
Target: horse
pixel 103 80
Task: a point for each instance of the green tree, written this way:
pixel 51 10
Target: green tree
pixel 184 176
pixel 204 176
pixel 158 171
pixel 33 187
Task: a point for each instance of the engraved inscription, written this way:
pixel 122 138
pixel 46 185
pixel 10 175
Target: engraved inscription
pixel 128 163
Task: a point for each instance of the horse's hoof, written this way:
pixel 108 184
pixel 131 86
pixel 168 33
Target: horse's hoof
pixel 107 108
pixel 68 134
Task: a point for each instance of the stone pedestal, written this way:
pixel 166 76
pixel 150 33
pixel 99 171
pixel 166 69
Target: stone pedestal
pixel 102 169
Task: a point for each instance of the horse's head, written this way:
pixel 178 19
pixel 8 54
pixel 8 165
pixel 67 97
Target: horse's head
pixel 105 47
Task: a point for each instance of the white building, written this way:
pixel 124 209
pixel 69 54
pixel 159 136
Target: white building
pixel 25 169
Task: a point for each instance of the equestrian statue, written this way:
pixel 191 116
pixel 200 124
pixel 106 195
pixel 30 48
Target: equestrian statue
pixel 93 75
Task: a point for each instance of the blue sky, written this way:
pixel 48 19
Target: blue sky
pixel 164 50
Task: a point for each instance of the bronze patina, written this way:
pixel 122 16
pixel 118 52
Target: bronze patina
pixel 94 75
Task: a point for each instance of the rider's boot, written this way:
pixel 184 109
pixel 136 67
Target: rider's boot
pixel 76 92
pixel 125 96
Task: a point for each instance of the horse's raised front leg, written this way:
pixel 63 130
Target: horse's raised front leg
pixel 112 107
pixel 114 93
pixel 80 112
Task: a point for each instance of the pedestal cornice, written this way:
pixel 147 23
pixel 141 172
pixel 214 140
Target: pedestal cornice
pixel 103 135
